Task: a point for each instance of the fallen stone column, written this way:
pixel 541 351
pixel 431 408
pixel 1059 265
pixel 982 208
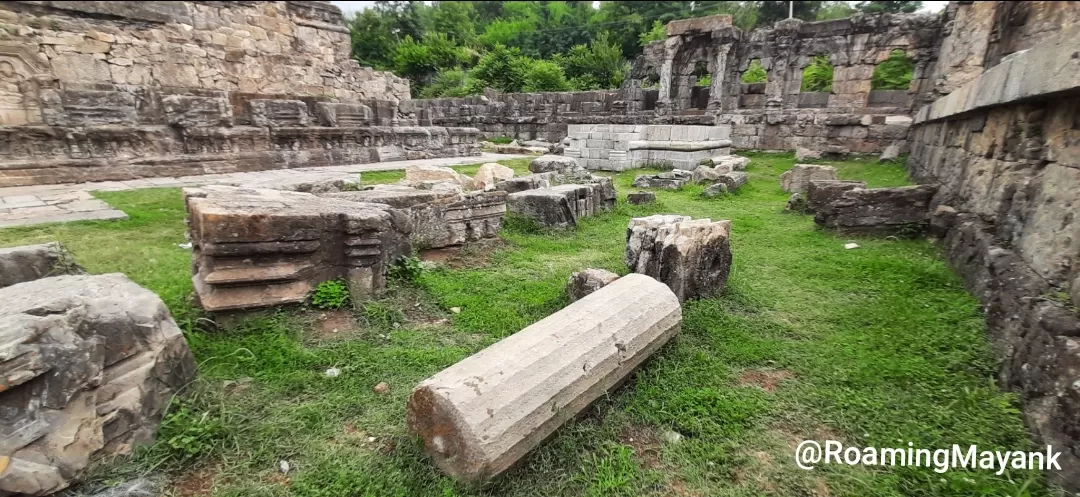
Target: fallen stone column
pixel 481 415
pixel 691 256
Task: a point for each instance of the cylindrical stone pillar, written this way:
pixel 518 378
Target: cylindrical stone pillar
pixel 481 415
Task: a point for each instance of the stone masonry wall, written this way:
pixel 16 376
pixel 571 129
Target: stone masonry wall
pixel 1005 148
pixel 95 91
pixel 770 116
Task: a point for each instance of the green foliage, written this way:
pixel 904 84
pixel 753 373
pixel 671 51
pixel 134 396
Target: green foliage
pixel 501 68
pixel 500 140
pixel 835 10
pixel 705 81
pixel 188 432
pixel 771 11
pixel 656 33
pixel 599 65
pixel 894 73
pixel 448 83
pixel 382 315
pixel 755 73
pixel 543 75
pixel 406 269
pixel 818 76
pixel 888 6
pixel 420 61
pixel 330 294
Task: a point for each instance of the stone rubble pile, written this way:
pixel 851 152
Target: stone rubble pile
pixel 559 192
pixel 87 366
pixel 480 416
pixel 671 180
pixel 691 256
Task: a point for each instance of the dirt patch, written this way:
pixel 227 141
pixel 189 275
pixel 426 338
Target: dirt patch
pixel 679 489
pixel 196 483
pixel 646 443
pixel 766 379
pixel 332 324
pixel 470 255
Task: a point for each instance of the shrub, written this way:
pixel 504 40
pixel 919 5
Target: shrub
pixel 543 75
pixel 894 73
pixel 755 73
pixel 406 269
pixel 500 140
pixel 501 69
pixel 448 83
pixel 656 33
pixel 598 66
pixel 818 76
pixel 331 294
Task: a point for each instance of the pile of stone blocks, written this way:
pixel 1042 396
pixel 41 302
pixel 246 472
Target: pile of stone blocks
pixel 480 416
pixel 88 365
pixel 618 147
pixel 798 178
pixel 558 193
pixel 691 256
pixel 256 248
pixel 670 180
pixel 901 210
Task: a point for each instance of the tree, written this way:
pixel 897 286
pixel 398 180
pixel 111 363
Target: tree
pixel 657 33
pixel 501 68
pixel 448 83
pixel 420 61
pixel 596 66
pixel 544 75
pixel 453 19
pixel 888 7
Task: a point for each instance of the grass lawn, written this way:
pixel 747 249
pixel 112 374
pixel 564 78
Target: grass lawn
pixel 874 347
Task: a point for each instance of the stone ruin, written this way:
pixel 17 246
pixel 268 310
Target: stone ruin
pixel 88 365
pixel 96 91
pixel 558 193
pixel 691 256
pixel 537 379
pixel 618 147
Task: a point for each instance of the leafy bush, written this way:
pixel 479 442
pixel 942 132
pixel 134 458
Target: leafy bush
pixel 500 69
pixel 330 294
pixel 893 73
pixel 543 75
pixel 705 81
pixel 818 76
pixel 755 73
pixel 596 66
pixel 448 83
pixel 656 33
pixel 406 269
pixel 420 61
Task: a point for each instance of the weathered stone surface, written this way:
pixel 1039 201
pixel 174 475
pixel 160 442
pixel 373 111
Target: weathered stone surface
pixel 733 180
pixel 582 283
pixel 673 180
pixel 705 175
pixel 807 154
pixel 272 112
pixel 258 248
pixel 891 153
pixel 820 192
pixel 419 175
pixel 692 257
pixel 797 203
pixel 552 163
pixel 558 206
pixel 798 178
pixel 31 262
pixel 730 162
pixel 639 198
pixel 903 210
pixel 715 190
pixel 96 383
pixel 528 182
pixel 188 111
pixel 566 360
pixel 491 174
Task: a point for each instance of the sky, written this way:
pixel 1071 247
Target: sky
pixel 349 7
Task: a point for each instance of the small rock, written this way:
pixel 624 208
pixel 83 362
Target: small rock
pixel 371 439
pixel 672 437
pixel 284 467
pixel 382 388
pixel 640 198
pixel 455 310
pixel 582 283
pixel 185 246
pixel 715 190
pixel 850 246
pixel 333 373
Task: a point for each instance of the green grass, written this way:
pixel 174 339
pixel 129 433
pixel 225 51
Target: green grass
pixel 876 346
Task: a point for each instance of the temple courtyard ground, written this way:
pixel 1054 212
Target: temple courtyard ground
pixel 876 346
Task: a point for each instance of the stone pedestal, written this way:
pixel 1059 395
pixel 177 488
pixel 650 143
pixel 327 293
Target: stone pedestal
pixel 692 256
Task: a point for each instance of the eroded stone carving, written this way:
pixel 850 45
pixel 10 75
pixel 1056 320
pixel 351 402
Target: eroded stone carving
pixel 692 256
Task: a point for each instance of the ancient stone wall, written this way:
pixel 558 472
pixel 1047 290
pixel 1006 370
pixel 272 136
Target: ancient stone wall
pixel 93 91
pixel 774 115
pixel 1005 150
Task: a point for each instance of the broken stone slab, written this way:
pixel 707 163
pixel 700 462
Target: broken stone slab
pixel 582 283
pixel 490 174
pixel 807 154
pixel 310 183
pixel 556 207
pixel 705 175
pixel 640 198
pixel 730 162
pixel 552 163
pixel 901 210
pixel 891 153
pixel 95 384
pixel 715 190
pixel 797 203
pixel 528 182
pixel 733 180
pixel 31 262
pixel 480 416
pixel 820 192
pixel 797 179
pixel 419 175
pixel 691 256
pixel 672 180
pixel 396 196
pixel 256 248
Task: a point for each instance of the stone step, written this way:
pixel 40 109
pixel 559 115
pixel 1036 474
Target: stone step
pixel 231 298
pixel 284 271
